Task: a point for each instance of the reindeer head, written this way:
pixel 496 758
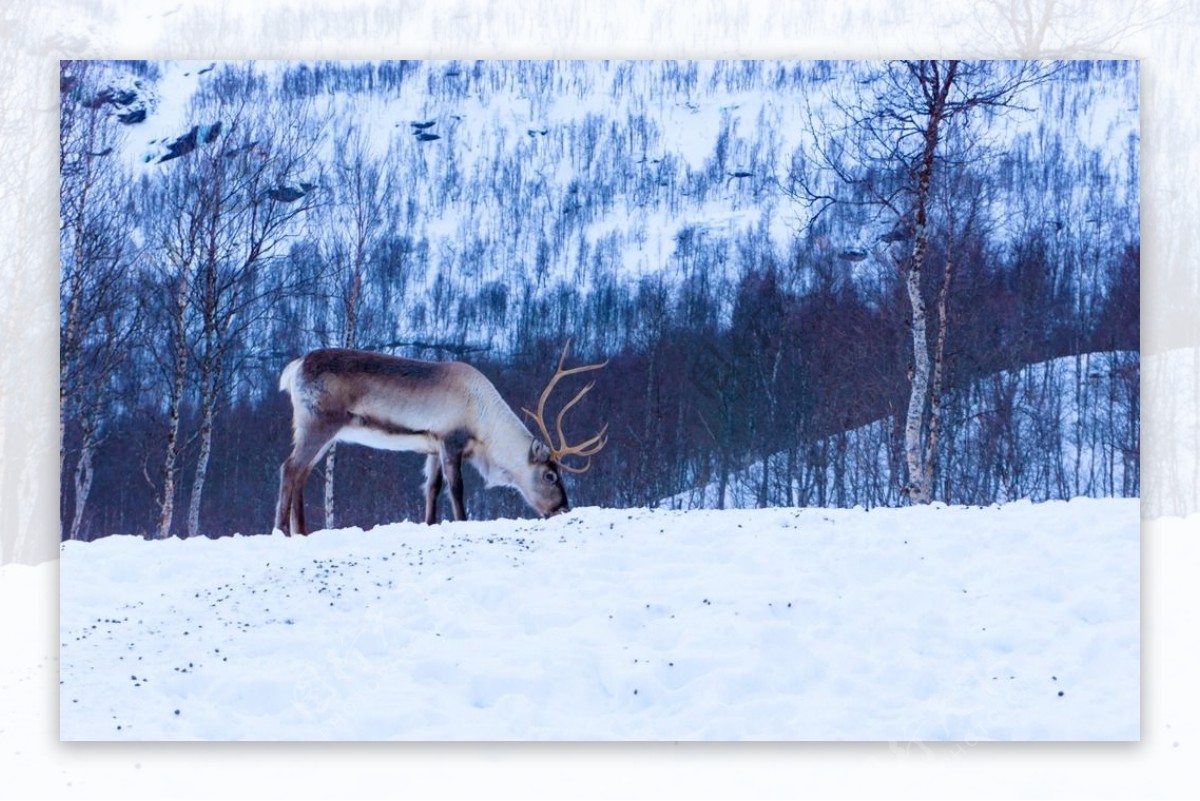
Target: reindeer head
pixel 542 485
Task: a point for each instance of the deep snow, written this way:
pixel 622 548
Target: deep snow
pixel 1010 622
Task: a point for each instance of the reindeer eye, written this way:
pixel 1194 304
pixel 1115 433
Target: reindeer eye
pixel 550 476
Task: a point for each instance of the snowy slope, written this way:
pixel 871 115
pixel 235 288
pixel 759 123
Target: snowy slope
pixel 1064 414
pixel 654 147
pixel 1012 622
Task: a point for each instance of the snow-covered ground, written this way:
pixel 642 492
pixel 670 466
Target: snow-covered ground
pixel 1014 622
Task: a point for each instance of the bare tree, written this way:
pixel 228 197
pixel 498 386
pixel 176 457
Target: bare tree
pixel 929 98
pixel 1063 28
pixel 94 223
pixel 353 224
pixel 889 156
pixel 176 232
pixel 229 205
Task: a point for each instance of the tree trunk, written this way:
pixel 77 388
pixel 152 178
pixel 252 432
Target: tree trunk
pixel 935 390
pixel 649 468
pixel 208 414
pixel 722 481
pixel 918 491
pixel 67 351
pixel 83 477
pixel 349 338
pixel 916 455
pixel 330 462
pixel 788 488
pixel 174 406
pixel 69 344
pixel 210 358
pixel 839 470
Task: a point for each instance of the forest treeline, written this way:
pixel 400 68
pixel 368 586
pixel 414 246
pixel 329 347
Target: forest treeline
pixel 750 359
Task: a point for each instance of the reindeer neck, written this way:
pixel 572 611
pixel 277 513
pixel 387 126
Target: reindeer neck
pixel 504 437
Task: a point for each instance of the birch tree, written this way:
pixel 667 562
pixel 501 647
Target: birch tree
pixel 354 224
pixel 890 156
pixel 229 206
pixel 95 319
pixel 920 101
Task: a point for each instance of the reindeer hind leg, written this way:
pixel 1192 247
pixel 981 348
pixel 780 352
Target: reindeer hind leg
pixel 312 441
pixel 283 508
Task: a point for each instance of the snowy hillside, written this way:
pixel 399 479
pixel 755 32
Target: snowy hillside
pixel 501 159
pixel 1053 427
pixel 581 175
pixel 1015 622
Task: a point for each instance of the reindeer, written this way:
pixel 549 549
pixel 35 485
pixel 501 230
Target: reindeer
pixel 446 410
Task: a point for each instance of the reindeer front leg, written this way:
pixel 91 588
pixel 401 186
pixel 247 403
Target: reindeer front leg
pixel 452 456
pixel 433 487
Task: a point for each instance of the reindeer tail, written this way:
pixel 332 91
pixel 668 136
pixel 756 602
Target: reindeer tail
pixel 287 378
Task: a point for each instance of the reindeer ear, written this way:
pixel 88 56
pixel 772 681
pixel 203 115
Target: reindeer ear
pixel 539 452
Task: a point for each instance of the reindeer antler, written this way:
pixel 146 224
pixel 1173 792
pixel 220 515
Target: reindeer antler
pixel 589 447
